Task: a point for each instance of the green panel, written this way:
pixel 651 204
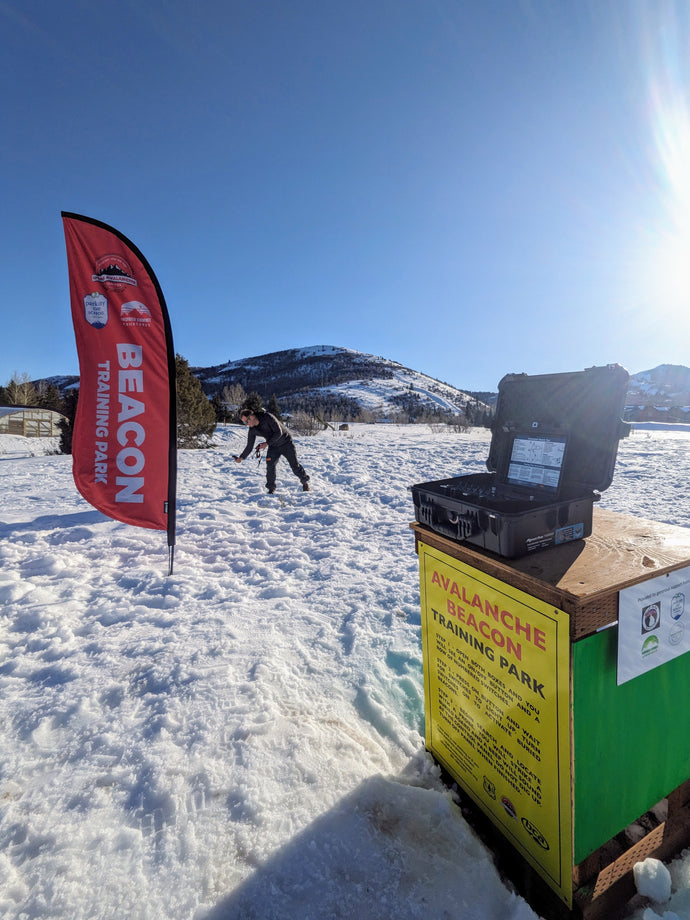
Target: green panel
pixel 631 743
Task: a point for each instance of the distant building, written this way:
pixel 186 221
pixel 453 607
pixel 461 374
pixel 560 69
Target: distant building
pixel 29 421
pixel 657 414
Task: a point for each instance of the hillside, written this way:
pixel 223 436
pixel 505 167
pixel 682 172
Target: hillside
pixel 344 383
pixel 665 385
pixel 341 381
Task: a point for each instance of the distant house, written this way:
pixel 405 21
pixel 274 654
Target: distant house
pixel 29 421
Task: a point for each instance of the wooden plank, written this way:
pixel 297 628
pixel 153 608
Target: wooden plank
pixel 622 551
pixel 609 895
pixel 600 895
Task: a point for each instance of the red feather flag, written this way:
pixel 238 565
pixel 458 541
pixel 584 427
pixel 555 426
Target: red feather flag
pixel 124 442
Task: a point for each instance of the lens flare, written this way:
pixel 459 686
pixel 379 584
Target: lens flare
pixel 664 281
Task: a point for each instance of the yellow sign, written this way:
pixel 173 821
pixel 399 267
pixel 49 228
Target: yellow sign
pixel 496 692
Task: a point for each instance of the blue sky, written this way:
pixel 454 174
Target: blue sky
pixel 469 188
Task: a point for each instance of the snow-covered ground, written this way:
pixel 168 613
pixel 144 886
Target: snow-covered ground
pixel 244 739
pixel 378 395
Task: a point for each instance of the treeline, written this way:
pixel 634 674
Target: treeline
pixel 198 411
pixel 228 401
pixel 196 417
pixel 20 391
pixel 333 407
pixel 413 409
pixel 324 406
pixel 672 414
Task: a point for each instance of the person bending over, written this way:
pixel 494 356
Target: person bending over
pixel 278 443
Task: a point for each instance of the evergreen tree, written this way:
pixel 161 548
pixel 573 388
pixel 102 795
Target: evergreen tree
pixel 253 402
pixel 4 396
pixel 273 406
pixel 68 408
pixel 223 414
pixel 196 419
pixel 49 397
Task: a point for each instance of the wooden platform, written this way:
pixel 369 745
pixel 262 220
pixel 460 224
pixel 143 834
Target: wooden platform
pixel 583 578
pixel 603 885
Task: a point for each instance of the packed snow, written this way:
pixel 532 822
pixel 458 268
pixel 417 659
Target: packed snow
pixel 653 880
pixel 244 739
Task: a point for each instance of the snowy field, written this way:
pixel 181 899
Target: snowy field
pixel 244 740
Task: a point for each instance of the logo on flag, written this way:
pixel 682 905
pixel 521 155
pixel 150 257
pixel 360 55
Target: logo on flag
pixel 134 313
pixel 96 310
pixel 114 272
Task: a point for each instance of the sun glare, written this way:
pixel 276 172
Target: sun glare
pixel 666 261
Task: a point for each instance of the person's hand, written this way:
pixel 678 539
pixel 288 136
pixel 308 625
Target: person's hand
pixel 238 459
pixel 262 446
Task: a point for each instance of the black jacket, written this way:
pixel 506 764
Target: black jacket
pixel 271 430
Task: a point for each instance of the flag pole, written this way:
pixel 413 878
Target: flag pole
pixel 124 442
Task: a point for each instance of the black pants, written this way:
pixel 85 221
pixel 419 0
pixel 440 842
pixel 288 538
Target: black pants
pixel 273 455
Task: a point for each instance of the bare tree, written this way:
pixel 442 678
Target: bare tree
pixel 233 396
pixel 304 423
pixel 21 392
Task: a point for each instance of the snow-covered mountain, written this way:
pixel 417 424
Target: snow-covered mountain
pixel 327 373
pixel 665 385
pixel 332 375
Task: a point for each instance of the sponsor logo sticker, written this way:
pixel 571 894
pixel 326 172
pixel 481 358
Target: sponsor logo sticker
pixel 572 532
pixel 649 646
pixel 535 833
pixel 677 606
pixel 677 634
pixel 509 807
pixel 651 617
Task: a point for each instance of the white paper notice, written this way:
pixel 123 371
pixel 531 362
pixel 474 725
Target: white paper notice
pixel 653 623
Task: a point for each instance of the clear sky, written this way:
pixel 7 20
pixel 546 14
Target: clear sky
pixel 470 188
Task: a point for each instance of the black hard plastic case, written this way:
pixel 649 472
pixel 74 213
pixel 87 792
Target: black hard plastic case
pixel 553 451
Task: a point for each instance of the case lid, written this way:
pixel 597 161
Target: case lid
pixel 559 433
